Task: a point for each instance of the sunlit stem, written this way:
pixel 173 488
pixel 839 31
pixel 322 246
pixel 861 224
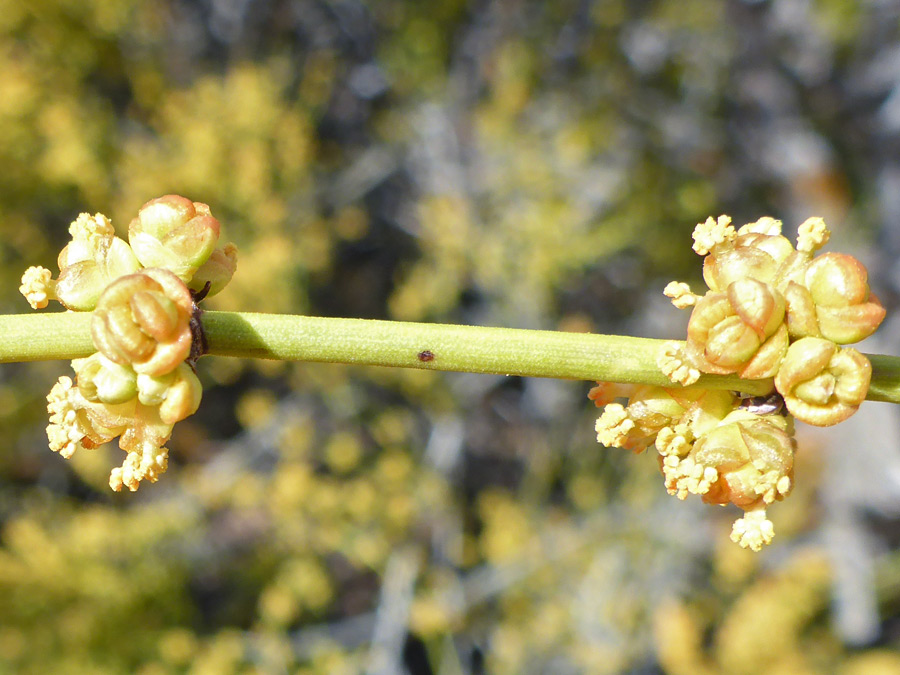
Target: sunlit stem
pixel 472 349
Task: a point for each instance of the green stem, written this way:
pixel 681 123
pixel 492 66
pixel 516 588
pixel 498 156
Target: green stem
pixel 473 349
pixel 44 337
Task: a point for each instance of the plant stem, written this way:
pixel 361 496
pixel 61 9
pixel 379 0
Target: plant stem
pixel 473 349
pixel 44 337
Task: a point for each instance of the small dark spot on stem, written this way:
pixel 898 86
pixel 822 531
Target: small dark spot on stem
pixel 426 356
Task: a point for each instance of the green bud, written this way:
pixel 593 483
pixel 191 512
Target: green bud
pixel 152 390
pixel 91 261
pixel 101 380
pixel 823 384
pixel 143 320
pixel 183 396
pixel 174 233
pixel 217 271
pixel 740 331
pixel 753 457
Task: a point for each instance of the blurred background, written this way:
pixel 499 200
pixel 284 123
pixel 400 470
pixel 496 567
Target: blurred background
pixel 497 162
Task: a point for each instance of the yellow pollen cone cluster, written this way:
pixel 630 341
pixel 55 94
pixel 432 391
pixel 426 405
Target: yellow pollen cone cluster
pixel 143 294
pixel 771 310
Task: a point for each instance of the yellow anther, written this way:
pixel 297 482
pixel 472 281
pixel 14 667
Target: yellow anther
pixel 146 464
pixel 37 287
pixel 89 228
pixel 672 361
pixel 681 294
pixel 711 233
pixel 812 235
pixel 753 531
pixel 613 426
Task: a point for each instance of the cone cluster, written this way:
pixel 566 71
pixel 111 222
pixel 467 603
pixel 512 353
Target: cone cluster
pixel 143 294
pixel 772 311
pixel 776 311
